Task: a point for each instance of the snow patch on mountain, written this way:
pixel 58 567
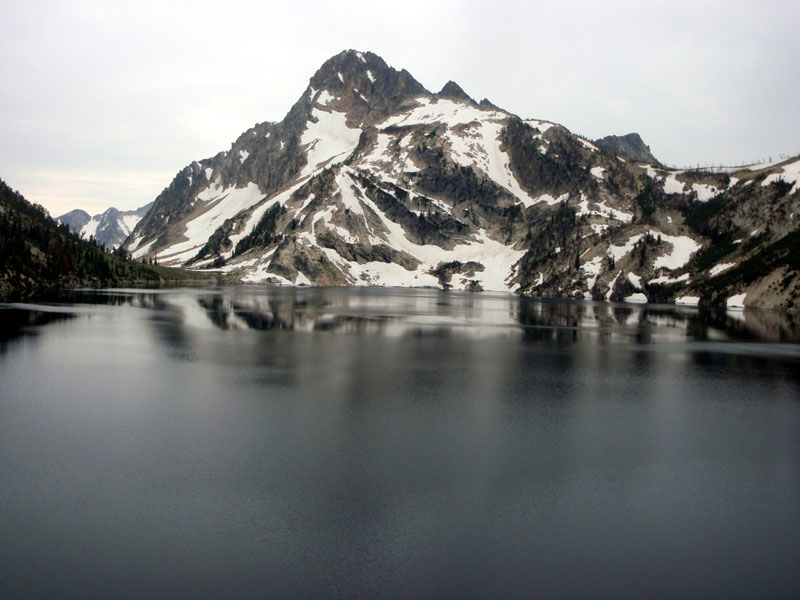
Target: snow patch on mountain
pixel 736 301
pixel 704 192
pixel 672 185
pixel 328 140
pixel 592 270
pixel 546 198
pixel 619 252
pixel 789 173
pixel 495 257
pixel 351 193
pixel 478 145
pixel 717 269
pixel 143 250
pixel 610 291
pixel 90 229
pixel 448 112
pixel 601 209
pixel 666 279
pixel 223 203
pixel 542 126
pixel 683 247
pixel 324 98
pixel 258 213
pixel 638 298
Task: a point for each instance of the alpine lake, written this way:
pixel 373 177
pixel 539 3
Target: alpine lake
pixel 267 442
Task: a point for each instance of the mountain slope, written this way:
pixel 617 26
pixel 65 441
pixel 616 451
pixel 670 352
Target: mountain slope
pixel 372 180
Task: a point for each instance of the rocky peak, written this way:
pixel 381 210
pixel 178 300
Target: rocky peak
pixel 631 146
pixel 362 85
pixel 453 91
pixel 75 219
pixel 110 213
pixel 349 69
pixel 486 104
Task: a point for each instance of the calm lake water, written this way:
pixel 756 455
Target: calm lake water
pixel 272 442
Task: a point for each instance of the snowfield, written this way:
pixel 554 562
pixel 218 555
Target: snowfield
pixel 328 140
pixel 683 247
pixel 428 112
pixel 222 203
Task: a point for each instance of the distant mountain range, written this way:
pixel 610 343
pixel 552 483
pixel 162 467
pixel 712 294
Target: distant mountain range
pixel 371 179
pixel 109 228
pixel 39 255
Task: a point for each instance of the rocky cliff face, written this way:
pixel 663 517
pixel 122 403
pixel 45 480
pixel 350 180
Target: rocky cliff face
pixel 372 180
pixel 630 146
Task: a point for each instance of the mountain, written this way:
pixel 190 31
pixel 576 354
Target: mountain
pixel 109 228
pixel 630 146
pixel 371 179
pixel 75 220
pixel 38 254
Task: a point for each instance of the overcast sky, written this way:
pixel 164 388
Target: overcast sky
pixel 103 102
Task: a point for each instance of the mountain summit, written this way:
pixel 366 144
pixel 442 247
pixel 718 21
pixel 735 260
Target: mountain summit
pixel 630 145
pixel 453 91
pixel 371 179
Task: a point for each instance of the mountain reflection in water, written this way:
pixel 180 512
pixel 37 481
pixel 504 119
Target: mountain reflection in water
pixel 400 311
pixel 301 442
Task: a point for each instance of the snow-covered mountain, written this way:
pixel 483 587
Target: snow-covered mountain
pixel 371 179
pixel 110 228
